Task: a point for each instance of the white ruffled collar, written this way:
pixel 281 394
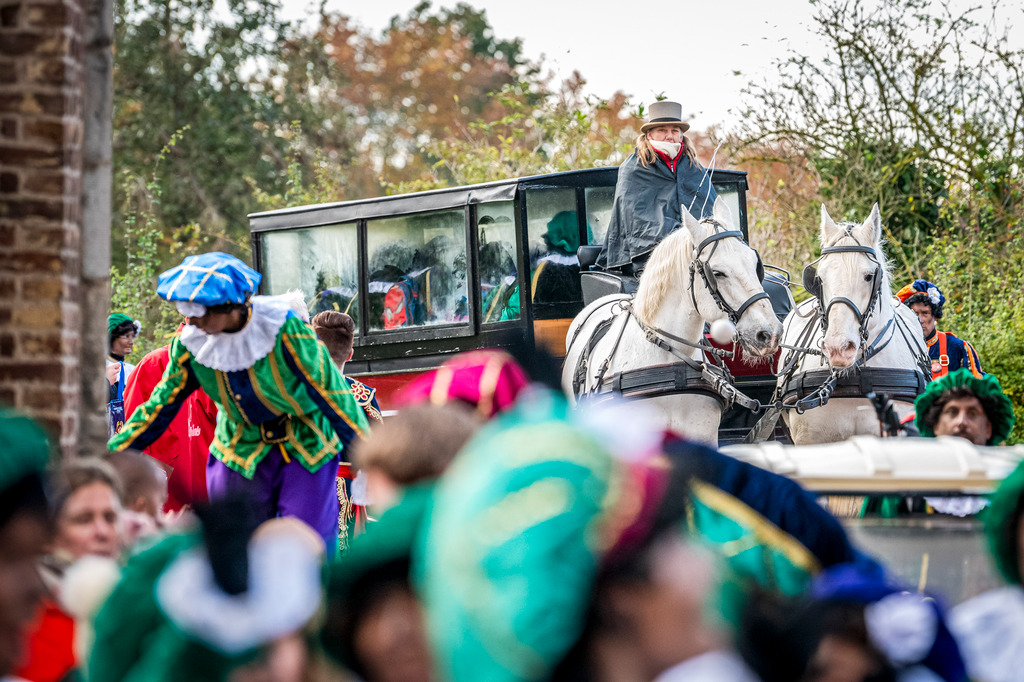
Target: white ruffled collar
pixel 240 350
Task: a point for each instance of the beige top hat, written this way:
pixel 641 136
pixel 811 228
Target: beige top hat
pixel 664 113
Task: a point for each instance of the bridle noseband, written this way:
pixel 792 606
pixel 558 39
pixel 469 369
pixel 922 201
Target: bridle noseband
pixel 702 267
pixel 813 285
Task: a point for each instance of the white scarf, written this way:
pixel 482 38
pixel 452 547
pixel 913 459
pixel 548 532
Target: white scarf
pixel 669 149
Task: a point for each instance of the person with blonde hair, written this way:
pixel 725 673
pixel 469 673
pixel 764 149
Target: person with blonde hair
pixel 655 183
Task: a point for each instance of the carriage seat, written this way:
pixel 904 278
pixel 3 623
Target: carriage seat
pixel 597 283
pixel 588 255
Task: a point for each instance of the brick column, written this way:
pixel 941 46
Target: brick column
pixel 41 128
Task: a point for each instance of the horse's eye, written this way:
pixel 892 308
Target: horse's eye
pixel 869 277
pixel 719 275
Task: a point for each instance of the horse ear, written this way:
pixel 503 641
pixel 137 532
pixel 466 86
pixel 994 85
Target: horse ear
pixel 693 226
pixel 722 213
pixel 828 226
pixel 873 225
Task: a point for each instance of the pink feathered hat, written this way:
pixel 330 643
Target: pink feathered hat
pixel 489 380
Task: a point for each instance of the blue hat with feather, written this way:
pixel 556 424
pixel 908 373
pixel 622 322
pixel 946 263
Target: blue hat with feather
pixel 208 279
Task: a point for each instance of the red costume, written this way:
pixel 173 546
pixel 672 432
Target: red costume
pixel 185 445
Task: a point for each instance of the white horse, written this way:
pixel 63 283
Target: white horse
pixel 864 326
pixel 701 273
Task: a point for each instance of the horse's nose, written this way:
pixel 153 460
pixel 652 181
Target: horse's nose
pixel 841 354
pixel 764 338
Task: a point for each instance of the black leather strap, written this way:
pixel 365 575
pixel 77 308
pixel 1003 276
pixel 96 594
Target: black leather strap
pixel 898 384
pixel 659 380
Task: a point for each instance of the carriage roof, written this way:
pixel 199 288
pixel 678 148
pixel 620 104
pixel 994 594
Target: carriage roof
pixel 447 198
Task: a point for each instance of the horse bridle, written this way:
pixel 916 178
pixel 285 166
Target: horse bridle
pixel 703 267
pixel 813 285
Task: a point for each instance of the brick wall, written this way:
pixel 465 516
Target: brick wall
pixel 40 211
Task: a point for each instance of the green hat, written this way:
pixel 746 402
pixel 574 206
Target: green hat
pixel 388 542
pixel 510 553
pixel 998 407
pixel 25 449
pixel 118 318
pixel 1002 523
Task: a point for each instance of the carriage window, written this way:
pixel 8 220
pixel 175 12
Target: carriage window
pixel 417 270
pixel 599 212
pixel 730 194
pixel 499 274
pixel 553 230
pixel 322 262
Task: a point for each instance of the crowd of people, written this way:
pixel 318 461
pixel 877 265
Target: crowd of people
pixel 257 519
pixel 511 538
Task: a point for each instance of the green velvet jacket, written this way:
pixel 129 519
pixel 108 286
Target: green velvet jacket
pixel 294 399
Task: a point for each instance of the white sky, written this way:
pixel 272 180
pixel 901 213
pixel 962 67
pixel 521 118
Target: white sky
pixel 707 53
pixel 695 61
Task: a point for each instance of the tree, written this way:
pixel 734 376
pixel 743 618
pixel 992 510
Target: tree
pixel 912 101
pixel 921 109
pixel 537 132
pixel 183 63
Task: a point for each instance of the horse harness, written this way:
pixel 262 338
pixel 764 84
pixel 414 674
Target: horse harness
pixel 707 273
pixel 688 375
pixel 806 390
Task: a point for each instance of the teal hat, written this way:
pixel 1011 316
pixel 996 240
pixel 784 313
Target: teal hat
pixel 115 320
pixel 998 407
pixel 512 544
pixel 24 449
pixel 1002 525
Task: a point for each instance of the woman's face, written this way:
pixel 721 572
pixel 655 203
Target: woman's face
pixel 90 523
pixel 123 345
pixel 666 134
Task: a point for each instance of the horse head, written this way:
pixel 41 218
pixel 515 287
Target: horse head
pixel 721 272
pixel 850 283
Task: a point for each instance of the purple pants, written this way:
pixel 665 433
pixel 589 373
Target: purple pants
pixel 280 488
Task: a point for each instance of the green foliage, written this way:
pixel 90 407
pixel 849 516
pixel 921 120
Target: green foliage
pixel 917 107
pixel 208 65
pixel 979 266
pixel 133 288
pixel 326 179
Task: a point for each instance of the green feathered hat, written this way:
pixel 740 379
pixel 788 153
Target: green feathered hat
pixel 26 450
pixel 1002 525
pixel 24 453
pixel 512 544
pixel 998 407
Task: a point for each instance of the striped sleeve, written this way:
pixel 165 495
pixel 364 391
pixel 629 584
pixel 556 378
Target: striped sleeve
pixel 152 418
pixel 310 361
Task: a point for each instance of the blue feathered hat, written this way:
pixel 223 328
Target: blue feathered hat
pixel 923 291
pixel 907 627
pixel 208 279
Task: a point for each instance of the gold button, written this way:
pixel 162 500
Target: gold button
pixel 238 396
pixel 270 434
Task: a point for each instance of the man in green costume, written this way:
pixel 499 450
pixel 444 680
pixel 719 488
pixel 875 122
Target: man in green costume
pixel 285 411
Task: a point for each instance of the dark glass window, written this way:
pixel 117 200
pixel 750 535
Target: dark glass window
pixel 417 270
pixel 322 262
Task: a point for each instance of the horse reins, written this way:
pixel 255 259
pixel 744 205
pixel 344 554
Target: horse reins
pixel 717 375
pixel 710 283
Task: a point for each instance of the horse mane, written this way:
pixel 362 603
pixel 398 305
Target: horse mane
pixel 669 257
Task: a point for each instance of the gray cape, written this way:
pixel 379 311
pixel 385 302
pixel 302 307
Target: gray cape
pixel 647 206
